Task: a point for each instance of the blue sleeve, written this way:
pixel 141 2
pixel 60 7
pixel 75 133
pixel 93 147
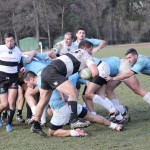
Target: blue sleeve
pixel 95 42
pixel 24 59
pixel 138 66
pixel 41 56
pixel 82 81
pixel 74 78
pixel 96 60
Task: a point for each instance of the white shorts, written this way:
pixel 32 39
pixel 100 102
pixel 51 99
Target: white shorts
pixel 104 69
pixel 62 116
pixel 124 66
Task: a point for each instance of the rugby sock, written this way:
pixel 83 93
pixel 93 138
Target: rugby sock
pixel 73 111
pixel 4 114
pixel 29 112
pixel 117 105
pixel 147 97
pixel 106 103
pixel 84 105
pixel 115 102
pixel 10 116
pixel 37 125
pixel 73 133
pixel 76 132
pixel 43 117
pixel 112 125
pixel 33 108
pixel 19 112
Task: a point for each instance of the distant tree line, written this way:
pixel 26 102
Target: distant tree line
pixel 116 21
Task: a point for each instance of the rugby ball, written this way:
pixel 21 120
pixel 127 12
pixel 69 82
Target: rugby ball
pixel 85 73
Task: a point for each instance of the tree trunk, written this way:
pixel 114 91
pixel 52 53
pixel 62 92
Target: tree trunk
pixel 15 33
pixel 62 18
pixel 49 35
pixel 36 22
pixel 1 40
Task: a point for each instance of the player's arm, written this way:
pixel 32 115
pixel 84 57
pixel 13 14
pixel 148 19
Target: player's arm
pixel 93 68
pixel 122 76
pixel 30 54
pixel 21 72
pixel 101 45
pixel 57 48
pixel 63 97
pixel 51 54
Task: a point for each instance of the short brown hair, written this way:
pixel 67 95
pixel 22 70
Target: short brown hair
pixel 84 44
pixel 28 75
pixel 132 51
pixel 8 35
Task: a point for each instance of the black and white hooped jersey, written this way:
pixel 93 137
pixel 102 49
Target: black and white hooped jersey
pixel 71 63
pixel 61 48
pixel 9 59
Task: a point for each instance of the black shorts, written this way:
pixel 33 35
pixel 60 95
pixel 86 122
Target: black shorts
pixel 8 83
pixel 51 78
pixel 99 81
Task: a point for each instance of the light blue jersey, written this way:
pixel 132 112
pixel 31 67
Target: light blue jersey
pixel 56 101
pixel 95 42
pixel 113 63
pixel 35 65
pixel 42 57
pixel 142 65
pixel 39 82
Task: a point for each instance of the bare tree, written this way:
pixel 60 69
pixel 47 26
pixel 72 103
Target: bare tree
pixel 116 21
pixel 36 15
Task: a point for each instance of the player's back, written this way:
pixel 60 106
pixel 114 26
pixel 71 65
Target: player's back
pixel 71 63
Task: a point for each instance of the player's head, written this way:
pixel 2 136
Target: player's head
pixel 9 40
pixel 68 38
pixel 80 34
pixel 86 45
pixel 131 55
pixel 29 78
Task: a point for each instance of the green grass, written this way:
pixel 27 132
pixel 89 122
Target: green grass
pixel 135 137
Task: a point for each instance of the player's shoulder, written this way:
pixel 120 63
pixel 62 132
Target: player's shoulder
pixel 17 48
pixel 74 46
pixel 3 46
pixel 93 40
pixel 142 59
pixel 82 53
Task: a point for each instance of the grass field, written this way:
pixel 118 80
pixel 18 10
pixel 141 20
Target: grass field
pixel 135 137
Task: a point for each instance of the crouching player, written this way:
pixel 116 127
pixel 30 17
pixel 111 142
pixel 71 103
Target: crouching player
pixel 61 111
